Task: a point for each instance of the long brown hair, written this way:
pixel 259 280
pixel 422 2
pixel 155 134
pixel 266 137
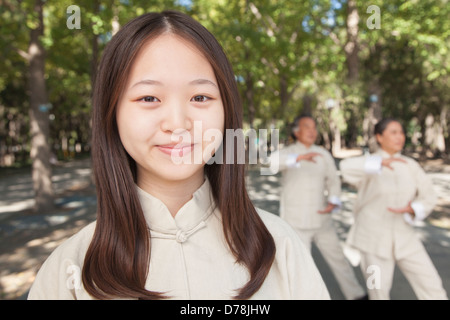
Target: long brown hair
pixel 117 261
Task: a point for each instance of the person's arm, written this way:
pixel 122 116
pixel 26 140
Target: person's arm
pixel 281 160
pixel 297 274
pixel 423 204
pixel 355 169
pixel 56 280
pixel 305 280
pixel 310 156
pixel 332 185
pixel 59 278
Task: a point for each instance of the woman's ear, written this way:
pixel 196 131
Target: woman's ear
pixel 295 132
pixel 379 138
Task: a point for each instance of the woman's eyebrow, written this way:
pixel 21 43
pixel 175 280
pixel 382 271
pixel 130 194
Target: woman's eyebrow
pixel 202 81
pixel 158 83
pixel 148 82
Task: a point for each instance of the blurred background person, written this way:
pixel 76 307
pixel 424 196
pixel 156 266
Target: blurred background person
pixel 393 193
pixel 310 191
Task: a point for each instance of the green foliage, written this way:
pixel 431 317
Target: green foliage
pixel 281 51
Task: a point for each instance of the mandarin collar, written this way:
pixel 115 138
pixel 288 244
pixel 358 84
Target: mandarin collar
pixel 302 146
pixel 384 154
pixel 189 218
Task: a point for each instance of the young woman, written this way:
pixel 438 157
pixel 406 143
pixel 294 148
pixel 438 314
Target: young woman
pixel 167 228
pixel 393 192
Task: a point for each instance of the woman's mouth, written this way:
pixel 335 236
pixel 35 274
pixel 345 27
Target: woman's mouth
pixel 176 150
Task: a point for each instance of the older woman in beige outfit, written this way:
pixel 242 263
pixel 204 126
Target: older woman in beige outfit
pixel 393 193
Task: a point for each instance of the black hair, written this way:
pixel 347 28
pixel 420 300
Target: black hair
pixel 383 123
pixel 294 124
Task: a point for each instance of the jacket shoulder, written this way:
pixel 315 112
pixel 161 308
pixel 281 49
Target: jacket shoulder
pixel 77 245
pixel 278 227
pixel 64 263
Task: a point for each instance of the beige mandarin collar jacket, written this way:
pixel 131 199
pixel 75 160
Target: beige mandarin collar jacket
pixel 190 258
pixel 190 218
pixel 376 230
pixel 307 186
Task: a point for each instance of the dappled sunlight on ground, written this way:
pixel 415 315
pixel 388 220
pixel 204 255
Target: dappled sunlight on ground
pixel 434 231
pixel 27 239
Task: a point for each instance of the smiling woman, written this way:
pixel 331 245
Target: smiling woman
pixel 153 114
pixel 165 229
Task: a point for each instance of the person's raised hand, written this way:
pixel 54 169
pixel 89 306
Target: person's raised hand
pixel 308 156
pixel 328 209
pixel 388 161
pixel 405 209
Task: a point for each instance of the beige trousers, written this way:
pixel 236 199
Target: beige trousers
pixel 327 241
pixel 416 266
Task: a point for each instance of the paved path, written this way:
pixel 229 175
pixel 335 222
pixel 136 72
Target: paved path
pixel 435 232
pixel 26 240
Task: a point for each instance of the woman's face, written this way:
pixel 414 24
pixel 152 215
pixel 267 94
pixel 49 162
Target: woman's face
pixel 171 99
pixel 392 139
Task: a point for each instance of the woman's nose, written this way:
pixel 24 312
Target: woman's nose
pixel 176 118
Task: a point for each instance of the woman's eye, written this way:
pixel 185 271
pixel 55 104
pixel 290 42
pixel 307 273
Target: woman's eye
pixel 149 99
pixel 200 98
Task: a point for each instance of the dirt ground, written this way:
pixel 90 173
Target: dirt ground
pixel 26 239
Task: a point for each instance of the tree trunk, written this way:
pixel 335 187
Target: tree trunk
pixel 3 134
pixel 430 135
pixel 39 121
pixel 250 98
pixel 307 104
pixel 445 115
pixel 441 128
pixel 94 59
pixel 373 115
pixel 283 95
pixel 351 46
pixel 323 128
pixel 351 49
pixel 335 132
pixel 352 131
pixel 95 50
